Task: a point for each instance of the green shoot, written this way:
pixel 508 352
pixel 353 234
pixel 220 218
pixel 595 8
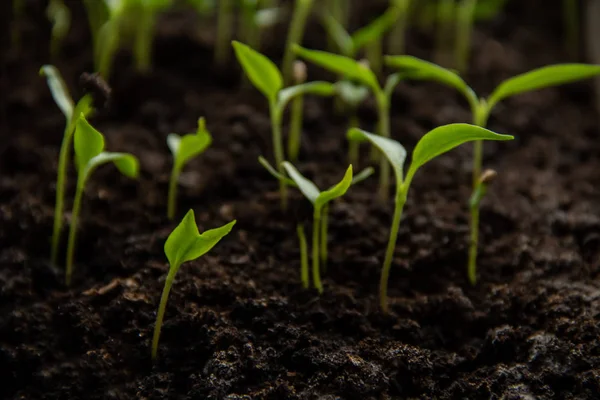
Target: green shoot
pixel 486 178
pixel 303 255
pixel 553 75
pixel 184 244
pixel 296 114
pixel 444 33
pixel 265 76
pixel 339 10
pixel 300 15
pixel 90 154
pixel 184 148
pixel 396 40
pixel 436 142
pixel 224 32
pixel 61 96
pixel 465 13
pixel 60 16
pixel 352 95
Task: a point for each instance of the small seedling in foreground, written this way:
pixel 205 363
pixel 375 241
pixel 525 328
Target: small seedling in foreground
pixel 300 15
pixel 63 99
pixel 184 244
pixel 184 148
pixel 359 72
pixel 89 155
pixel 552 75
pixel 432 144
pixel 265 76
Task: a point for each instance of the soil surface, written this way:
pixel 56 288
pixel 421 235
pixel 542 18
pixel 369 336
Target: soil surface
pixel 238 324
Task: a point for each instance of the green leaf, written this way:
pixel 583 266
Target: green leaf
pixel 126 163
pixel 308 189
pixel 337 191
pixel 186 243
pixel 351 93
pixel 186 147
pixel 274 172
pixel 84 106
pixel 445 138
pixel 88 143
pixel 341 65
pixel 59 90
pixel 362 175
pixel 391 82
pixel 393 151
pixel 338 33
pixel 318 88
pixel 417 69
pixel 376 29
pixel 540 78
pixel 261 71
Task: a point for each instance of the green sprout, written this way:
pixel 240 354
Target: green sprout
pixel 265 76
pixel 553 75
pixel 359 72
pixel 71 111
pixel 184 148
pixel 90 154
pixel 224 32
pixel 320 201
pixel 339 10
pixel 434 143
pixel 296 113
pixel 60 15
pixel 465 13
pixel 184 244
pixel 300 15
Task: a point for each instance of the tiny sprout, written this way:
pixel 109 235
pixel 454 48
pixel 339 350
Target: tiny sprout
pixel 184 148
pixel 434 143
pixel 63 99
pixel 300 15
pixel 296 113
pixel 184 244
pixel 265 76
pixel 90 154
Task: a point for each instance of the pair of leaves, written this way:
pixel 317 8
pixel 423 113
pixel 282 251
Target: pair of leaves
pixel 89 152
pixel 186 243
pixel 434 143
pixel 186 147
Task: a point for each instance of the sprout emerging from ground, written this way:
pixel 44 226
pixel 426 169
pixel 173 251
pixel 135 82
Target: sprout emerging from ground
pixel 89 155
pixel 184 244
pixel 553 75
pixel 184 148
pixel 265 76
pixel 71 111
pixel 432 144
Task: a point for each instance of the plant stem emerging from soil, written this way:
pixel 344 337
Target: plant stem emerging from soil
pixel 63 157
pixel 73 229
pixel 276 116
pixel 464 29
pixel 316 273
pixel 383 106
pixel 161 309
pixel 296 113
pixel 389 252
pixel 301 12
pixel 303 256
pixel 323 236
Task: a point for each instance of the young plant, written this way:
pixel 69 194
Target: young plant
pixel 553 75
pixel 320 215
pixel 359 72
pixel 300 15
pixel 184 148
pixel 184 244
pixel 434 143
pixel 60 16
pixel 224 32
pixel 265 76
pixel 89 155
pixel 71 111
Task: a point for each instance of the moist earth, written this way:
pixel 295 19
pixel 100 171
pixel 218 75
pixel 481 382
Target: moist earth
pixel 238 324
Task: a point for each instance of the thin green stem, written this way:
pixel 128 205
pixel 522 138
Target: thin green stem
pixel 389 253
pixel 224 32
pixel 300 16
pixel 108 44
pixel 474 239
pixel 374 53
pixel 444 34
pixel 161 308
pixel 143 39
pixel 353 145
pixel 295 127
pixel 172 198
pixel 73 228
pixel 61 178
pixel 276 115
pixel 303 256
pixel 323 235
pixel 384 130
pixel 315 250
pixel 464 30
pixel 477 161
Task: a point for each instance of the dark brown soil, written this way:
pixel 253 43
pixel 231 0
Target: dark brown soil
pixel 238 324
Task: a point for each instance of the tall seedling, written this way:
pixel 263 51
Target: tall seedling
pixel 71 111
pixel 553 75
pixel 265 76
pixel 434 143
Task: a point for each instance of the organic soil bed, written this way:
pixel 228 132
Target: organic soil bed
pixel 238 324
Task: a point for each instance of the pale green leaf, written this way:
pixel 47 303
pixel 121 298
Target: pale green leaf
pixel 308 189
pixel 376 29
pixel 362 175
pixel 263 161
pixel 336 191
pixel 540 78
pixel 261 71
pixel 351 93
pixel 318 88
pixel 59 90
pixel 88 143
pixel 338 34
pixel 126 163
pixel 84 106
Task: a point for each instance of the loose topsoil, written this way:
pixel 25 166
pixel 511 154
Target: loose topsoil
pixel 238 325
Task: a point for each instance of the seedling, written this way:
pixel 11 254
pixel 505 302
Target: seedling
pixel 89 155
pixel 224 32
pixel 265 76
pixel 359 72
pixel 553 75
pixel 184 148
pixel 436 142
pixel 184 244
pixel 60 16
pixel 340 12
pixel 300 15
pixel 320 201
pixel 63 100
